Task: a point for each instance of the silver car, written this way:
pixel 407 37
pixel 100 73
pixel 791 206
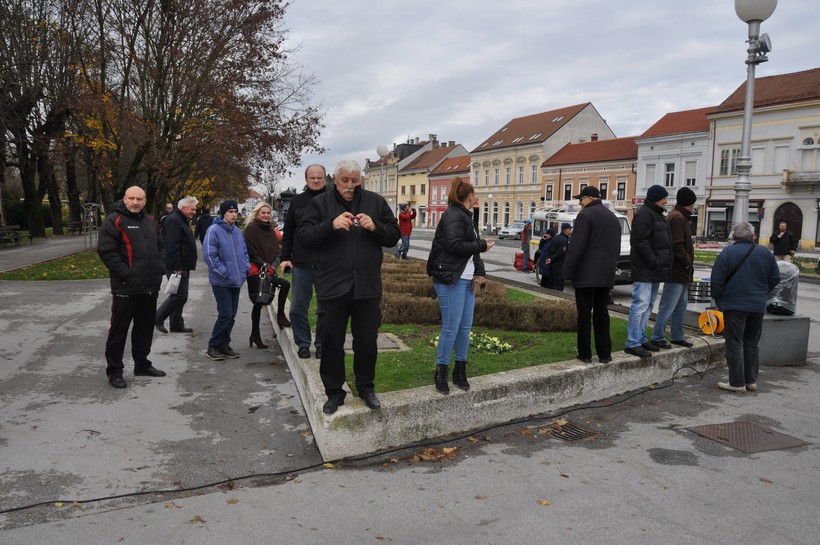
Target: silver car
pixel 513 230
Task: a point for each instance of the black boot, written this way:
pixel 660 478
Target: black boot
pixel 460 375
pixel 440 378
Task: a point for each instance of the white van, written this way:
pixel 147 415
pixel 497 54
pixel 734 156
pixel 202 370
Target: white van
pixel 545 218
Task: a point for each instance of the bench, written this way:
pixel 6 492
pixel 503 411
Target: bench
pixel 12 233
pixel 75 228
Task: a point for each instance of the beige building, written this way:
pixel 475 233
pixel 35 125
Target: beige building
pixel 506 166
pixel 412 178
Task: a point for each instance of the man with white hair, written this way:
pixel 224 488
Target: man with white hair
pixel 348 228
pixel 180 259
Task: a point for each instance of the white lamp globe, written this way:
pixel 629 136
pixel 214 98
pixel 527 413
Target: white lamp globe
pixel 754 10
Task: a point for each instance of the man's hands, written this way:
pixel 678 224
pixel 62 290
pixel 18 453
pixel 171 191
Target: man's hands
pixel 285 266
pixel 346 220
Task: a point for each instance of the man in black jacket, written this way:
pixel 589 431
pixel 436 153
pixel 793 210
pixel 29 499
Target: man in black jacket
pixel 650 259
pixel 348 228
pixel 784 243
pixel 204 221
pixel 302 261
pixel 590 266
pixel 180 259
pixel 556 255
pixel 130 247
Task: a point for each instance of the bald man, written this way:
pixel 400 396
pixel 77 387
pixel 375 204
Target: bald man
pixel 131 248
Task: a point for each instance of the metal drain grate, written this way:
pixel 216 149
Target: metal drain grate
pixel 747 437
pixel 571 432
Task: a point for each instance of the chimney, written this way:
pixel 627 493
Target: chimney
pixel 417 140
pixel 594 137
pixel 451 144
pixel 433 138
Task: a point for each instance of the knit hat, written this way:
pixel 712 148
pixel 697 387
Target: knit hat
pixel 565 226
pixel 686 196
pixel 227 205
pixel 550 232
pixel 656 193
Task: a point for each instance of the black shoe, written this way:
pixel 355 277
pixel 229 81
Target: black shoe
pixel 304 352
pixel 684 343
pixel 318 352
pixel 638 351
pixel 661 344
pixel 228 352
pixel 117 382
pixel 332 404
pixel 460 375
pixel 651 347
pixel 182 330
pixel 440 379
pixel 214 354
pixel 585 360
pixel 371 400
pixel 604 360
pixel 149 371
pixel 160 328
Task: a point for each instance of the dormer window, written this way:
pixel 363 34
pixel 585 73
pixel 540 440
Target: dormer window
pixel 534 136
pixel 519 139
pixel 498 142
pixel 557 119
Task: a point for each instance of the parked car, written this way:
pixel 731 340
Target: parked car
pixel 512 231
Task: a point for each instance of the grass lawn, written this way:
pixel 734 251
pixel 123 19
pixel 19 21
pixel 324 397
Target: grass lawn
pixel 82 266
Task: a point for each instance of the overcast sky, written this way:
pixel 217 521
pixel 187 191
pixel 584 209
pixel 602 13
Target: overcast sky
pixel 460 69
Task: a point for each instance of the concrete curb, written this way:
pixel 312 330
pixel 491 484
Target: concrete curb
pixel 410 416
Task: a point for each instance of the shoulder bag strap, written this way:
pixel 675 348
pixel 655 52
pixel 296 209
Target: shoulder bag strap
pixel 739 265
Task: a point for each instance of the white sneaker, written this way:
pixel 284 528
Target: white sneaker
pixel 729 388
pixel 752 387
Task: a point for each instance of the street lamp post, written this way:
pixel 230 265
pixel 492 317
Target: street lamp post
pixel 752 12
pixel 382 150
pixel 490 211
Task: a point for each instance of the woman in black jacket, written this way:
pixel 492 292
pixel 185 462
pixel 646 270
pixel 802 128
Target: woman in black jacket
pixel 457 270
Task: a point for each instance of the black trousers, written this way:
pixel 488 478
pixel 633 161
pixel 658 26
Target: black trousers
pixel 742 334
pixel 365 318
pixel 591 304
pixel 139 309
pixel 174 303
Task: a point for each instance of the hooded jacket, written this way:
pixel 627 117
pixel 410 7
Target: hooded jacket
pixel 131 248
pixel 225 255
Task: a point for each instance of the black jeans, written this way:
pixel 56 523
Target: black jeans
pixel 591 304
pixel 174 303
pixel 741 333
pixel 365 318
pixel 139 309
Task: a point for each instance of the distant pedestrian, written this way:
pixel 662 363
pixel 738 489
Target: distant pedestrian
pixel 590 265
pixel 407 216
pixel 457 270
pixel 263 253
pixel 651 261
pixel 556 255
pixel 742 277
pixel 204 221
pixel 169 208
pixel 228 266
pixel 784 243
pixel 675 296
pixel 302 261
pixel 349 227
pixel 526 235
pixel 541 260
pixel 130 247
pixel 180 260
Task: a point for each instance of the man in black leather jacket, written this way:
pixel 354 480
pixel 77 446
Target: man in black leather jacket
pixel 348 228
pixel 180 259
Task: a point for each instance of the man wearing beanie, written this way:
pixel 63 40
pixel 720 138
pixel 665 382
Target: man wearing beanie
pixel 651 260
pixel 675 295
pixel 228 265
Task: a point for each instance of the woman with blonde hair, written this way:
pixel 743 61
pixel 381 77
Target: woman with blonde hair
pixel 458 272
pixel 263 251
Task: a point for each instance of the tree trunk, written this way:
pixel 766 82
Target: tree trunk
pixel 31 203
pixel 75 210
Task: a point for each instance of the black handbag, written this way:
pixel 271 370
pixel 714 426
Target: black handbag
pixel 261 287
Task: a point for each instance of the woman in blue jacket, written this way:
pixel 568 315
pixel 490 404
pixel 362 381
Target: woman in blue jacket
pixel 228 265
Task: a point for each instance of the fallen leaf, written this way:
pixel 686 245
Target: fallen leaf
pixel 480 497
pixel 58 504
pixel 328 466
pixel 544 502
pixel 307 434
pixel 765 480
pixel 525 431
pixel 560 422
pixel 563 474
pixel 232 501
pixel 546 431
pixel 197 520
pixel 230 485
pixel 472 439
pixel 380 538
pixel 78 505
pixel 171 505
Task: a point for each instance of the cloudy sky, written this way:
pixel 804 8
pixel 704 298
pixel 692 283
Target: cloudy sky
pixel 460 69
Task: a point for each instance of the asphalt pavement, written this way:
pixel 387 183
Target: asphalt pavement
pixel 641 477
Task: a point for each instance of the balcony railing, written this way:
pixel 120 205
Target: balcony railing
pixel 806 178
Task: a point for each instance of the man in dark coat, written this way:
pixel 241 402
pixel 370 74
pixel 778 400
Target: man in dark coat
pixel 675 294
pixel 556 255
pixel 180 260
pixel 204 221
pixel 348 227
pixel 130 247
pixel 590 266
pixel 784 243
pixel 651 261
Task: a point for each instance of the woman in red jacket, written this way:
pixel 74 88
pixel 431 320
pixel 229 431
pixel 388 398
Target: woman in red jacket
pixel 406 218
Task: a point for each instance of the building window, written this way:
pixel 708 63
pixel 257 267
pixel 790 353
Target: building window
pixel 519 211
pixel 475 177
pixel 650 176
pixel 403 188
pixel 669 175
pixel 534 174
pixel 567 192
pixel 582 185
pixel 728 161
pixel 520 175
pixel 495 176
pixel 548 196
pixel 691 173
pixel 621 195
pixel 486 176
pixel 423 189
pixel 603 187
pixel 435 193
pixel 507 174
pixel 506 213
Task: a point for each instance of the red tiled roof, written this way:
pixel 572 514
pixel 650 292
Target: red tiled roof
pixel 771 90
pixel 680 122
pixel 254 195
pixel 616 149
pixel 429 158
pixel 530 129
pixel 453 165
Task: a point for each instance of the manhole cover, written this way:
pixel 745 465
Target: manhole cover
pixel 570 432
pixel 747 437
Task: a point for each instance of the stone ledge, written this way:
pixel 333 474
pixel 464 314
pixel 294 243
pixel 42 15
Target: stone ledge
pixel 410 416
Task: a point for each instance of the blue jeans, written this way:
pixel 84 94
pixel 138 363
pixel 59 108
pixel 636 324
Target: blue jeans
pixel 227 303
pixel 301 291
pixel 404 246
pixel 457 303
pixel 673 304
pixel 643 297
